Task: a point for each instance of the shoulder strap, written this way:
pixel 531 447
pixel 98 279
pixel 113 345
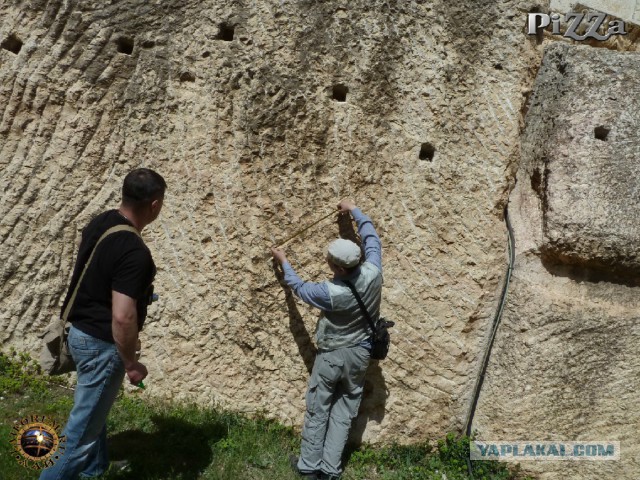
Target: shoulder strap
pixel 361 304
pixel 116 229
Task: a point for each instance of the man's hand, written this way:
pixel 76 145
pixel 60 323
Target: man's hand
pixel 346 205
pixel 136 373
pixel 278 254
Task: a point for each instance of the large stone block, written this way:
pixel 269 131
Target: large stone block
pixel 563 369
pixel 581 153
pixel 565 360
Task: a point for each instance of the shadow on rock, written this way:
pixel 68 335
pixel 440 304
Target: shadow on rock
pixel 346 230
pixel 372 407
pixel 296 324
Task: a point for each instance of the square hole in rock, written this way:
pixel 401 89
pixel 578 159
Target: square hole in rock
pixel 12 44
pixel 125 45
pixel 226 32
pixel 427 151
pixel 340 93
pixel 601 133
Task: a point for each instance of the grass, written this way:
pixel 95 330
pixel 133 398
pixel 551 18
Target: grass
pixel 185 442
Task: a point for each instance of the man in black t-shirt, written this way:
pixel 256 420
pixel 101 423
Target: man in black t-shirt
pixel 107 313
pixel 122 264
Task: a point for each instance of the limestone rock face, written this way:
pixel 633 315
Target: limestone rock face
pixel 566 358
pixel 261 116
pixel 580 153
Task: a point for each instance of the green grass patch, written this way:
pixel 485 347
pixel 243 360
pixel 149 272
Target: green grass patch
pixel 186 442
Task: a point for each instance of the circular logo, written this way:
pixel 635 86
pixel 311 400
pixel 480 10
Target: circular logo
pixel 37 442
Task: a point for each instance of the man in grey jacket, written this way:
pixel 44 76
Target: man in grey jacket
pixel 343 338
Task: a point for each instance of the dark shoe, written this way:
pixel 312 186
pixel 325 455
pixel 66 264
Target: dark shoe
pixel 293 461
pixel 326 476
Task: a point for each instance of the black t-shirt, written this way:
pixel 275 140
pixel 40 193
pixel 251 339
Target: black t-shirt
pixel 122 262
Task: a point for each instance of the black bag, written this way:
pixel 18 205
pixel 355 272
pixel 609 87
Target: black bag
pixel 381 338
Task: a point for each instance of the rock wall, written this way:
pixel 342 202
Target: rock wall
pixel 566 358
pixel 261 116
pixel 240 106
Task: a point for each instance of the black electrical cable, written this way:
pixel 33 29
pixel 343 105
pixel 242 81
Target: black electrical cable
pixel 494 329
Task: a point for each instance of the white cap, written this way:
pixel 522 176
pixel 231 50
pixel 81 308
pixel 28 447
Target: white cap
pixel 344 253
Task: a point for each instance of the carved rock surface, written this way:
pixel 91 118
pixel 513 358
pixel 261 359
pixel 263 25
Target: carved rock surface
pixel 581 150
pixel 567 356
pixel 239 105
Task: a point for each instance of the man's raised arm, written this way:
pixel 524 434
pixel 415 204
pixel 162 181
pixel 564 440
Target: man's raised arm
pixel 315 294
pixel 370 239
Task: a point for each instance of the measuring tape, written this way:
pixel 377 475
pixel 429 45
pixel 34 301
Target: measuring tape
pixel 301 231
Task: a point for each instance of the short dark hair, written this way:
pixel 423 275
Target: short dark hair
pixel 142 186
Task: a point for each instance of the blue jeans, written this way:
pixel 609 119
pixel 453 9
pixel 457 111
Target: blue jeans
pixel 100 375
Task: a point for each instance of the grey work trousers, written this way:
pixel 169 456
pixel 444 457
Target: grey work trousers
pixel 333 399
